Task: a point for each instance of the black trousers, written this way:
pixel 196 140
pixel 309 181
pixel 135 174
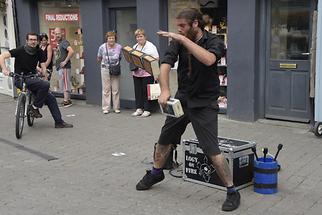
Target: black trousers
pixel 204 122
pixel 40 91
pixel 141 94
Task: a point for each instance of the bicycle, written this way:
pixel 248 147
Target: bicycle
pixel 23 110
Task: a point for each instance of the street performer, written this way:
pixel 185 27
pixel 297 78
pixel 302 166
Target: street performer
pixel 198 90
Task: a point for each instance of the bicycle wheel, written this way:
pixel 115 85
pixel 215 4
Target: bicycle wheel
pixel 20 115
pixel 30 118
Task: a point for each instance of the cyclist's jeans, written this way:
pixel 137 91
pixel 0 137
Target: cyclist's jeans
pixel 38 87
pixel 40 90
pixel 51 102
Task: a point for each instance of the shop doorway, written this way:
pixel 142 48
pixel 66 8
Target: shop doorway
pixel 124 22
pixel 288 67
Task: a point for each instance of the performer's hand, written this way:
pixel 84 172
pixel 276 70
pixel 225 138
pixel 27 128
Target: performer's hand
pixel 163 98
pixel 171 35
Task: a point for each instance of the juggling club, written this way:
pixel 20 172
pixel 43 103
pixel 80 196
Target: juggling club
pixel 255 153
pixel 265 151
pixel 279 147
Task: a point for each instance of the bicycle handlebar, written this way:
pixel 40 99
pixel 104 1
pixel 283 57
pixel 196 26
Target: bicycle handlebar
pixel 11 74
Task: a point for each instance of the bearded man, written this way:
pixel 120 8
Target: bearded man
pixel 198 90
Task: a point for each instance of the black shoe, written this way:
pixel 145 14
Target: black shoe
pixel 63 125
pixel 148 180
pixel 67 103
pixel 232 202
pixel 34 112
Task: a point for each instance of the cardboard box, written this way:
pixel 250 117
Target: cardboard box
pixel 197 167
pixel 126 53
pixel 136 58
pixel 142 60
pixel 151 65
pixel 173 108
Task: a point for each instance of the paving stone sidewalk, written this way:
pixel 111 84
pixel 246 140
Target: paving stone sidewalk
pixel 86 179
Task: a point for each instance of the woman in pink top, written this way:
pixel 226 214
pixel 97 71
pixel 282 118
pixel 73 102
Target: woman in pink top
pixel 141 77
pixel 108 54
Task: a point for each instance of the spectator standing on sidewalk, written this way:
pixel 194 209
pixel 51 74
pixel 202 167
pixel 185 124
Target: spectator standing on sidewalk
pixel 109 53
pixel 141 77
pixel 198 89
pixel 64 53
pixel 47 52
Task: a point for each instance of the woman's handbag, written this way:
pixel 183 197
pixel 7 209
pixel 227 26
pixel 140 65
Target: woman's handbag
pixel 153 91
pixel 113 69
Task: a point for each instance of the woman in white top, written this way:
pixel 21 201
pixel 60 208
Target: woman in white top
pixel 142 78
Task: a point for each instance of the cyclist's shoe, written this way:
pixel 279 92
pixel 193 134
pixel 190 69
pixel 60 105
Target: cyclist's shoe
pixel 67 103
pixel 63 125
pixel 232 201
pixel 34 112
pixel 148 180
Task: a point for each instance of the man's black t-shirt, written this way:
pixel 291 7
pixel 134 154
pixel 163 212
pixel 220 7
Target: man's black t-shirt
pixel 198 86
pixel 24 62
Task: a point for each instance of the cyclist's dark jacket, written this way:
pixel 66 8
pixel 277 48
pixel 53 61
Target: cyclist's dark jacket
pixel 24 62
pixel 201 89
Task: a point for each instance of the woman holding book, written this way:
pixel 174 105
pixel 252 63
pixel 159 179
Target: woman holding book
pixel 141 77
pixel 109 54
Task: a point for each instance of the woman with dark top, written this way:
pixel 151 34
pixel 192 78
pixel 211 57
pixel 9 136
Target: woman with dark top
pixel 47 52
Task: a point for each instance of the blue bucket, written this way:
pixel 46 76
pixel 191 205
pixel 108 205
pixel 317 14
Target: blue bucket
pixel 265 176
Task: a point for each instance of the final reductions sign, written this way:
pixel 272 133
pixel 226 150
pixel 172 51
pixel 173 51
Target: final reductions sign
pixel 59 17
pixel 62 17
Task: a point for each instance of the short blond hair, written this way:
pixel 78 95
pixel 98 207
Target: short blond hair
pixel 110 34
pixel 139 31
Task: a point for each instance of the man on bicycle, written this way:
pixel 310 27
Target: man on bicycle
pixel 26 59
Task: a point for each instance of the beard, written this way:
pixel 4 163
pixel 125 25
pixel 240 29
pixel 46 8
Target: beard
pixel 192 34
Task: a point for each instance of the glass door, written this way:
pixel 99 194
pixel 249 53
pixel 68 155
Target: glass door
pixel 123 20
pixel 288 72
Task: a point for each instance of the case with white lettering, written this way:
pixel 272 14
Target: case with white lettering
pixel 197 167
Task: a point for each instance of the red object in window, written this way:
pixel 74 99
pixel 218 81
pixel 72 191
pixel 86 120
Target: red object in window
pixel 52 37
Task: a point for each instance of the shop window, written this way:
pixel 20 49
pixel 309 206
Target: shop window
pixel 65 14
pixel 215 15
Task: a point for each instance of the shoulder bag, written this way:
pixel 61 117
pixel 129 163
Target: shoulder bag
pixel 114 69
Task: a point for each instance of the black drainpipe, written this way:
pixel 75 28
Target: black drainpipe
pixel 15 20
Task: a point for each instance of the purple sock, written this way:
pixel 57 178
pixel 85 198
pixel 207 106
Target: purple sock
pixel 155 171
pixel 231 189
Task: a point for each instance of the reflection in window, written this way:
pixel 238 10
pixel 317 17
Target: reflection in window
pixel 290 29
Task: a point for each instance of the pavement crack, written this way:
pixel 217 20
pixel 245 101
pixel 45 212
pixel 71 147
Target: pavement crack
pixel 26 149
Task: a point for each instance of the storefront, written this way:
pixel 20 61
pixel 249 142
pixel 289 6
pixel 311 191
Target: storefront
pixel 7 41
pixel 265 73
pixel 66 16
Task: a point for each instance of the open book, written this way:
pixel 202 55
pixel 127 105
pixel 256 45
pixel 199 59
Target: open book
pixel 141 60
